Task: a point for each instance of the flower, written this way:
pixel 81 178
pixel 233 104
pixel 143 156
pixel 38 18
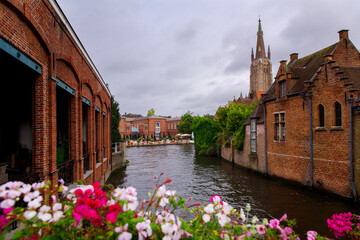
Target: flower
pixel 274 224
pixel 144 229
pixel 44 214
pixel 311 235
pixel 209 208
pixel 206 217
pixel 261 229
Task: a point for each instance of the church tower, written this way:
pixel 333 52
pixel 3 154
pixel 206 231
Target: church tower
pixel 260 68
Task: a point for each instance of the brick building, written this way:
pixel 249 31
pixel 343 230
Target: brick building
pixel 135 125
pixel 57 106
pixel 307 128
pixel 308 118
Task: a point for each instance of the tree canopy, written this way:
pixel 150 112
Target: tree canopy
pixel 151 112
pixel 115 119
pixel 186 121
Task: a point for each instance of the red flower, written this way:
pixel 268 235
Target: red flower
pixel 96 185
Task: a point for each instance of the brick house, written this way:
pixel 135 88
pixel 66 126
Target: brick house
pixel 308 121
pixel 57 105
pixel 146 127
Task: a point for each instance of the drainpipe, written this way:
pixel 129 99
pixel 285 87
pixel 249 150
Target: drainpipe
pixel 351 101
pixel 309 104
pixel 266 160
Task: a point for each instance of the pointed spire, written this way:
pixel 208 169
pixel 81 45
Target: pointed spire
pixel 241 96
pixel 252 54
pixel 269 55
pixel 260 48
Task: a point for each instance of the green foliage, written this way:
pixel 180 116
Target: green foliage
pixel 115 119
pixel 186 121
pixel 205 130
pixel 151 112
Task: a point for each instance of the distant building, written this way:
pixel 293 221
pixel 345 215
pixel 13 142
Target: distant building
pixel 135 126
pixel 260 71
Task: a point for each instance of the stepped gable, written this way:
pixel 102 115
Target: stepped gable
pixel 301 70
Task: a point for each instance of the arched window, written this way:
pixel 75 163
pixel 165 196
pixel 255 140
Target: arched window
pixel 321 116
pixel 337 114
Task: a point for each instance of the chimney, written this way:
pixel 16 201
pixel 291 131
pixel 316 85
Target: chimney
pixel 293 57
pixel 343 34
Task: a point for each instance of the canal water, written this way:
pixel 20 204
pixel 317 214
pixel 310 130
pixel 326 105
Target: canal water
pixel 201 177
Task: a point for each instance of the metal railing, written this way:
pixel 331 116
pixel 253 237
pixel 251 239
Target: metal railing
pixel 66 171
pixel 86 161
pixel 19 175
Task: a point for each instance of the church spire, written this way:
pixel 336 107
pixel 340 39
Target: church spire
pixel 260 48
pixel 269 55
pixel 252 54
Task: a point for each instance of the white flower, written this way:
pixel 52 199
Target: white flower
pixel 223 219
pixel 31 195
pixel 7 203
pixel 34 204
pixel 43 214
pixel 125 236
pixel 227 208
pixel 57 215
pixel 209 208
pixel 141 227
pixel 170 193
pixel 167 229
pixel 216 199
pixel 161 191
pixel 29 214
pixel 163 202
pixel 254 220
pixel 57 207
pixel 206 218
pixel 242 214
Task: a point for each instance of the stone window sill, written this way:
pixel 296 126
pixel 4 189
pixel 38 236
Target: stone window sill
pixel 104 159
pixel 336 128
pixel 320 129
pixel 87 174
pixel 98 164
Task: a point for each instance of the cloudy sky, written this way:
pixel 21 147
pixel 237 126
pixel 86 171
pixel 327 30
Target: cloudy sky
pixel 180 55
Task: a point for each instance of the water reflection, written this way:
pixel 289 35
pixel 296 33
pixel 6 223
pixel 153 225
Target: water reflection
pixel 201 177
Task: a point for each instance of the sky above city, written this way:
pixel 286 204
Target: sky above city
pixel 194 55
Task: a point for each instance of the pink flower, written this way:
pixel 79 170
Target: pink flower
pixel 215 199
pixel 311 235
pixel 274 224
pixel 283 217
pixel 261 229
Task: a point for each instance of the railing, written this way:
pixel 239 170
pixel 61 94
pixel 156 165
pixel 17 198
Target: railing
pixel 19 175
pixel 115 147
pixel 86 161
pixel 65 171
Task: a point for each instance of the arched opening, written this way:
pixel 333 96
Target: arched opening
pixel 337 108
pixel 321 115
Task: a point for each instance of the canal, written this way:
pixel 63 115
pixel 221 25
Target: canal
pixel 201 177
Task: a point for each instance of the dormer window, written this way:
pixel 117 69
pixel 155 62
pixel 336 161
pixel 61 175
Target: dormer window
pixel 282 86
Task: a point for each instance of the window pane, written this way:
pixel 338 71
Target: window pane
pixel 283 130
pixel 337 114
pixel 321 116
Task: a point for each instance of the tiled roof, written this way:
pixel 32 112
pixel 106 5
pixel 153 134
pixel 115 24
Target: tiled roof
pixel 303 69
pixel 258 113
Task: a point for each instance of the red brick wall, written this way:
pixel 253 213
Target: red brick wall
pixel 290 159
pixel 34 28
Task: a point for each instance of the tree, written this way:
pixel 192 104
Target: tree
pixel 185 125
pixel 205 130
pixel 115 119
pixel 151 112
